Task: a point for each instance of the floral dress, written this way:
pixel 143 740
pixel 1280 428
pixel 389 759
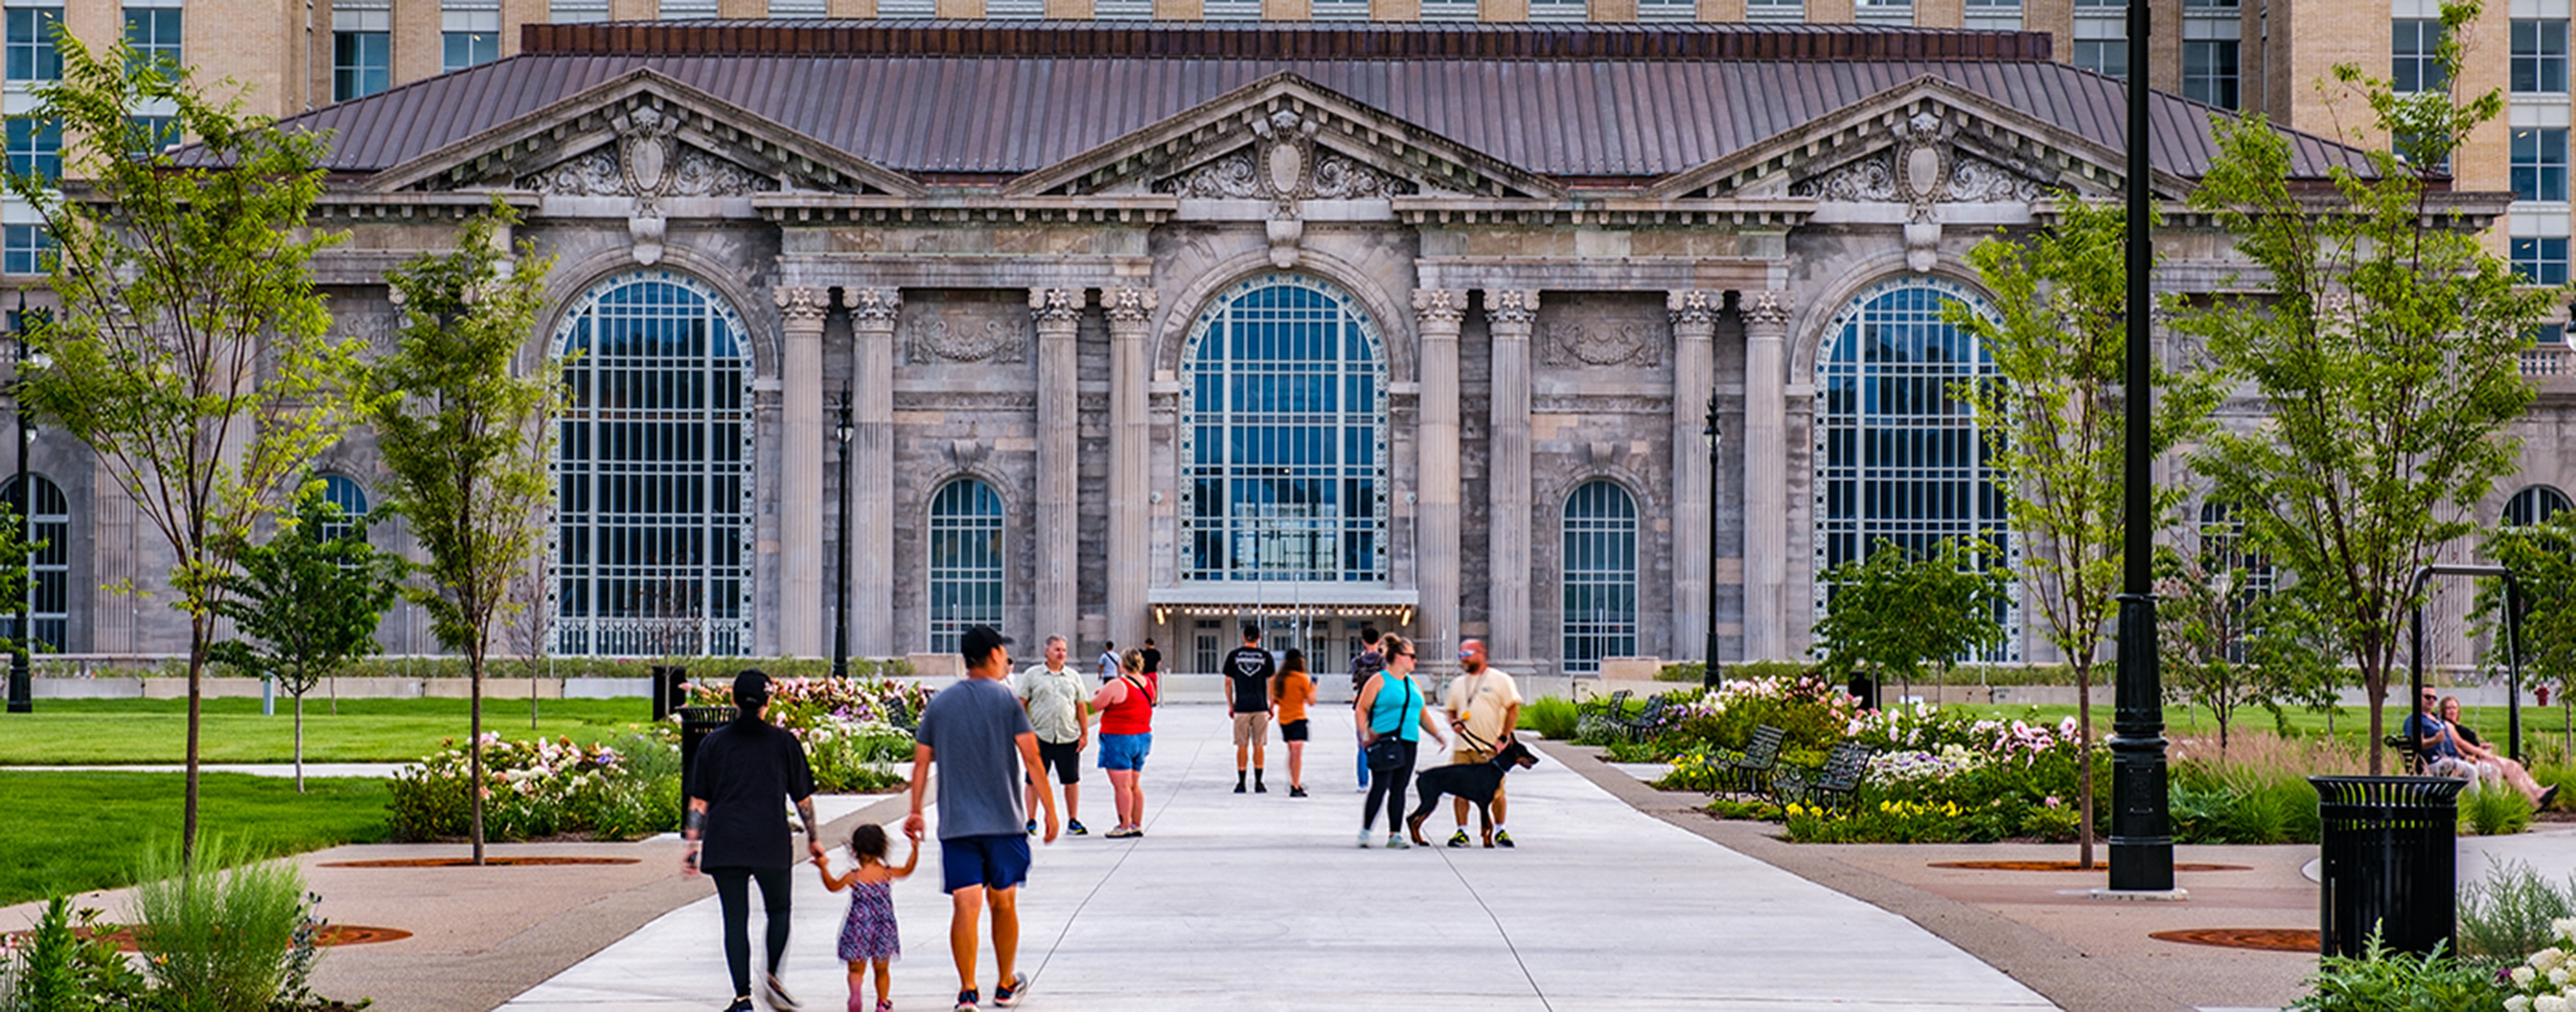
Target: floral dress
pixel 868 933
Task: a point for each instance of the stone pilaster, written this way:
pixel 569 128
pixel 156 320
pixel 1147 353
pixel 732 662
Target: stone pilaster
pixel 1131 312
pixel 1766 475
pixel 1511 314
pixel 1057 313
pixel 801 604
pixel 1694 315
pixel 1437 312
pixel 870 551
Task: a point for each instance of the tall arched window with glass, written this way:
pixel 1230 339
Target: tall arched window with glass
pixel 49 570
pixel 653 469
pixel 2533 504
pixel 1600 577
pixel 965 561
pixel 1283 447
pixel 2227 551
pixel 344 492
pixel 1898 456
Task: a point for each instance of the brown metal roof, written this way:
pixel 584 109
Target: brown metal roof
pixel 1002 116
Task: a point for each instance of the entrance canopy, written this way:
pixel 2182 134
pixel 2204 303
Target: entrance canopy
pixel 1283 597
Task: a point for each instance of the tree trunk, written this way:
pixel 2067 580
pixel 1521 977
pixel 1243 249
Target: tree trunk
pixel 2083 765
pixel 474 659
pixel 299 743
pixel 200 628
pixel 2375 683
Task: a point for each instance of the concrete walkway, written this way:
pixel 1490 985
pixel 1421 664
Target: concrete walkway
pixel 1263 902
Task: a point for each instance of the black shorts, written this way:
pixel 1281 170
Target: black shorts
pixel 1064 758
pixel 1292 730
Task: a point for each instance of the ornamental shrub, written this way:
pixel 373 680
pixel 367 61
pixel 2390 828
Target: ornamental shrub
pixel 218 934
pixel 532 789
pixel 2512 912
pixel 2379 980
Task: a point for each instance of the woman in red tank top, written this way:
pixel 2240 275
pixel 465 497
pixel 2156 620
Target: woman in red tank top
pixel 1126 705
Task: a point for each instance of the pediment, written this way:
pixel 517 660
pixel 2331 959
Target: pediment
pixel 1925 142
pixel 643 135
pixel 1284 138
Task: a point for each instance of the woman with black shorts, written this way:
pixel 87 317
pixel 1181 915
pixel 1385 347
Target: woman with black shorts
pixel 1291 690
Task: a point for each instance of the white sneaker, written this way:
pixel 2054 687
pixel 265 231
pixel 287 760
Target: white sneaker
pixel 1396 842
pixel 1363 839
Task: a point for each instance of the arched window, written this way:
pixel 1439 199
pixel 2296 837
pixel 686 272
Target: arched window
pixel 2225 548
pixel 1898 457
pixel 49 569
pixel 342 491
pixel 965 561
pixel 2532 505
pixel 1283 447
pixel 1600 616
pixel 653 469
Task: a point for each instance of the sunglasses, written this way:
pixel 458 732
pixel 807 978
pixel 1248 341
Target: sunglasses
pixel 1404 653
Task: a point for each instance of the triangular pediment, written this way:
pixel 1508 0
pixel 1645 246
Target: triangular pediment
pixel 647 135
pixel 1284 138
pixel 1926 141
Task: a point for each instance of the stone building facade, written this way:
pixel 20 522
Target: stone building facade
pixel 1144 336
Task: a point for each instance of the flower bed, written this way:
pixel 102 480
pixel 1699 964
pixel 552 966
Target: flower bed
pixel 848 726
pixel 540 788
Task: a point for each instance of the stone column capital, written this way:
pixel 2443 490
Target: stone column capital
pixel 1511 306
pixel 1694 307
pixel 1767 308
pixel 1128 304
pixel 803 308
pixel 1059 306
pixel 1440 308
pixel 872 305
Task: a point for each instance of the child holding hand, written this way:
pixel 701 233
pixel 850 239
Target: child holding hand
pixel 868 937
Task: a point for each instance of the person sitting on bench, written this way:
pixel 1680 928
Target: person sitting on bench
pixel 2491 766
pixel 2436 749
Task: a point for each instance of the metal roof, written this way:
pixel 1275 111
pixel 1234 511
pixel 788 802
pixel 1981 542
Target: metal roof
pixel 952 115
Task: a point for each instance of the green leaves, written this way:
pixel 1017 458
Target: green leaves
pixel 1892 612
pixel 307 600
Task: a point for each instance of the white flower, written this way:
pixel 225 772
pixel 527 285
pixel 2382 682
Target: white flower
pixel 2523 976
pixel 2549 1003
pixel 2517 1003
pixel 2558 977
pixel 2564 926
pixel 2547 959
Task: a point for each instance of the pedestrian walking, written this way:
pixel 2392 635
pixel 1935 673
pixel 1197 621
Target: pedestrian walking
pixel 980 740
pixel 743 771
pixel 1365 666
pixel 1126 708
pixel 1059 707
pixel 1108 661
pixel 1292 690
pixel 1395 717
pixel 1247 674
pixel 870 942
pixel 1484 706
pixel 1154 661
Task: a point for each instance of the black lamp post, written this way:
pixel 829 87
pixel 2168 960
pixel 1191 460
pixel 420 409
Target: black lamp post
pixel 2141 833
pixel 1708 675
pixel 22 684
pixel 841 604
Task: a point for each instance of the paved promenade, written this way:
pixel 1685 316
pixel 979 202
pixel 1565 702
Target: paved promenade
pixel 1263 902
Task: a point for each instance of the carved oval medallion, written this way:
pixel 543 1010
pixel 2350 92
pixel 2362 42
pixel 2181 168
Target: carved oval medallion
pixel 646 159
pixel 1287 165
pixel 1922 170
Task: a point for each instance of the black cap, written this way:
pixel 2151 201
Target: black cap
pixel 977 643
pixel 751 688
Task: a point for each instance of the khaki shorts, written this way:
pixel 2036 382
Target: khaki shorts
pixel 1466 756
pixel 1251 728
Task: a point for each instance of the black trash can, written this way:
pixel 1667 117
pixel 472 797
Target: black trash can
pixel 696 723
pixel 667 694
pixel 2390 862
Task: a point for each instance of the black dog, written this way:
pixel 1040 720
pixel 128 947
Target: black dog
pixel 1476 782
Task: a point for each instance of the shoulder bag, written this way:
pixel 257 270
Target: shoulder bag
pixel 1387 752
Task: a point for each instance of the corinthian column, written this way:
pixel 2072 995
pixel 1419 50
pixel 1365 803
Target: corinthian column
pixel 1129 310
pixel 800 480
pixel 1435 517
pixel 1511 314
pixel 1694 316
pixel 870 551
pixel 1766 475
pixel 1057 312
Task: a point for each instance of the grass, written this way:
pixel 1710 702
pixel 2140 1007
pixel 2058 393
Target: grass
pixel 2351 723
pixel 92 732
pixel 73 832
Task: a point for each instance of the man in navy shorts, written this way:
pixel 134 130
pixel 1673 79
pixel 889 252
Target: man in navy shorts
pixel 981 738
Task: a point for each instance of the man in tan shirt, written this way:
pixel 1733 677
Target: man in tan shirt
pixel 1483 707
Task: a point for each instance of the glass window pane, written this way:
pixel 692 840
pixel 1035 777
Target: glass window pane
pixel 48 602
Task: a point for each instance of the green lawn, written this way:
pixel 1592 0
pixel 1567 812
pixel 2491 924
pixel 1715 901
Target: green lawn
pixel 2541 729
pixel 73 832
pixel 113 731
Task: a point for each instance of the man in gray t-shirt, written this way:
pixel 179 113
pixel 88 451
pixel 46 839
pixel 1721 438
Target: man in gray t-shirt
pixel 981 739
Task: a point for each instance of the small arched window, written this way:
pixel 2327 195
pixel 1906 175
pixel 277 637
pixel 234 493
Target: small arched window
pixel 49 571
pixel 2532 505
pixel 1600 575
pixel 344 492
pixel 965 561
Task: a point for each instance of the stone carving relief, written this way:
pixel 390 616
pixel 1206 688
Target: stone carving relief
pixel 1284 165
pixel 1602 343
pixel 377 331
pixel 933 337
pixel 1923 169
pixel 590 175
pixel 646 163
pixel 1869 179
pixel 1975 180
pixel 1232 176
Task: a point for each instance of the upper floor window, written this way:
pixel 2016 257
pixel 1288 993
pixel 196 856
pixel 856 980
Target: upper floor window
pixel 2541 260
pixel 1775 10
pixel 2101 37
pixel 1993 15
pixel 362 48
pixel 2539 164
pixel 1560 10
pixel 23 247
pixel 1667 10
pixel 2414 55
pixel 2209 71
pixel 2540 57
pixel 36 147
pixel 152 35
pixel 469 34
pixel 32 56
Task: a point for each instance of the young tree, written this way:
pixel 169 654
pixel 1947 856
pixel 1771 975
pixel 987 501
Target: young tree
pixel 1893 612
pixel 2384 353
pixel 190 350
pixel 2055 431
pixel 2542 557
pixel 2208 624
pixel 306 601
pixel 465 438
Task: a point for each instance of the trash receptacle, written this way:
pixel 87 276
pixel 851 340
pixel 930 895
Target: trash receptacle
pixel 2388 849
pixel 667 693
pixel 696 723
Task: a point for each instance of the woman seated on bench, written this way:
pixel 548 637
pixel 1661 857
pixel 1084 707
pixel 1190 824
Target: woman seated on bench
pixel 2438 750
pixel 2490 766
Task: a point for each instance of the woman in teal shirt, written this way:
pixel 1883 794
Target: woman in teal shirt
pixel 1394 706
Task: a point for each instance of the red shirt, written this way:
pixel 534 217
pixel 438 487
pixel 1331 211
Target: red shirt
pixel 1132 715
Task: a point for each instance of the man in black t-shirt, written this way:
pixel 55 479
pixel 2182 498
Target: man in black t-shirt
pixel 1153 659
pixel 743 770
pixel 1247 679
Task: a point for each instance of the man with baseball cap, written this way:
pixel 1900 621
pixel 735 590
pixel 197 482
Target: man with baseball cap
pixel 981 740
pixel 743 769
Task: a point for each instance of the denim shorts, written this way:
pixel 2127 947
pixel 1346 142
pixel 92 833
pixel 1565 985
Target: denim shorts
pixel 1125 751
pixel 1000 861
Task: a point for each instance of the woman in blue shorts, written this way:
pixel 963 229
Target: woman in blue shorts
pixel 1126 708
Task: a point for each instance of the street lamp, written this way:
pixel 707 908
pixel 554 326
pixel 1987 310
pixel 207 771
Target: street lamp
pixel 1708 672
pixel 841 605
pixel 21 680
pixel 2141 822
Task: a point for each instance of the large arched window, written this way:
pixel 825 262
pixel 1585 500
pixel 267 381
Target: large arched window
pixel 1898 457
pixel 1283 447
pixel 965 561
pixel 653 463
pixel 1600 576
pixel 49 570
pixel 2532 505
pixel 343 491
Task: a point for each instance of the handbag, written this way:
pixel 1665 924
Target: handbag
pixel 1387 752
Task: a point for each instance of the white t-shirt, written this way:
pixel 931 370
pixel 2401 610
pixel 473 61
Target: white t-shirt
pixel 1481 700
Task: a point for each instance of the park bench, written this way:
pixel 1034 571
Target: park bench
pixel 1830 785
pixel 1634 728
pixel 1749 769
pixel 1597 717
pixel 2412 760
pixel 899 713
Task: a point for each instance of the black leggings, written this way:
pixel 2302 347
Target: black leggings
pixel 733 893
pixel 1386 786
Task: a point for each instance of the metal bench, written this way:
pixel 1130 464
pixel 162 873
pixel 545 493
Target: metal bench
pixel 1828 786
pixel 1749 769
pixel 898 712
pixel 1634 728
pixel 1597 717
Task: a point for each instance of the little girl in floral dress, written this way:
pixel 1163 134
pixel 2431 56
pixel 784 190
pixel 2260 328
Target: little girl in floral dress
pixel 868 937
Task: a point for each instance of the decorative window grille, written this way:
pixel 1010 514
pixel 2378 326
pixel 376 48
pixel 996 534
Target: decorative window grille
pixel 1898 455
pixel 1600 576
pixel 1560 10
pixel 2540 57
pixel 343 491
pixel 49 569
pixel 1283 444
pixel 965 561
pixel 653 467
pixel 2533 505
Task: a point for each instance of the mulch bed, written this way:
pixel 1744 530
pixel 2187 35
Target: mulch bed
pixel 330 935
pixel 2301 940
pixel 467 862
pixel 2100 866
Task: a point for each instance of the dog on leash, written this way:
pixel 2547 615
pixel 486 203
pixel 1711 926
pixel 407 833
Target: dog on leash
pixel 1476 782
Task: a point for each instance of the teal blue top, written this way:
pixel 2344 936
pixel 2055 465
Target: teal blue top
pixel 1396 712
